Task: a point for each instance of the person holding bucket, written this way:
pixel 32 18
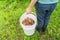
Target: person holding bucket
pixel 44 9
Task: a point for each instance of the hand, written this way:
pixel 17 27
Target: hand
pixel 28 10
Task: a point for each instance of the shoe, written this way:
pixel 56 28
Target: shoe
pixel 42 33
pixel 37 29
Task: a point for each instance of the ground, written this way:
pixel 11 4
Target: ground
pixel 10 29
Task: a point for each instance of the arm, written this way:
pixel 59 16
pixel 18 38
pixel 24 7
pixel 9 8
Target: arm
pixel 29 9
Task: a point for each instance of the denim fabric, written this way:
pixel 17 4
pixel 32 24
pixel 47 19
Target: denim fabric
pixel 43 12
pixel 47 1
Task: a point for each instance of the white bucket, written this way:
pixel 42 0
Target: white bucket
pixel 28 30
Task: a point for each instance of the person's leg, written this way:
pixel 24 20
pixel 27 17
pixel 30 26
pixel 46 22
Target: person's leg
pixel 47 16
pixel 40 16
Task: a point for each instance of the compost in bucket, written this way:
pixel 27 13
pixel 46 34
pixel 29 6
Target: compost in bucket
pixel 28 21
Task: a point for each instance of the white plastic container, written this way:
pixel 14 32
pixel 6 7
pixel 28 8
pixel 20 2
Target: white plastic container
pixel 28 30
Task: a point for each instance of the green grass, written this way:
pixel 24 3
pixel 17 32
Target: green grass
pixel 10 29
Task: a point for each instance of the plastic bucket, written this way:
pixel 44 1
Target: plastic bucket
pixel 28 30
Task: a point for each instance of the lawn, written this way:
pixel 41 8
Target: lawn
pixel 10 29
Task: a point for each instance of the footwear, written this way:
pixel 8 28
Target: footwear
pixel 43 30
pixel 37 29
pixel 42 33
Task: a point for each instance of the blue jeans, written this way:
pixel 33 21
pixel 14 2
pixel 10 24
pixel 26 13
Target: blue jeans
pixel 43 12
